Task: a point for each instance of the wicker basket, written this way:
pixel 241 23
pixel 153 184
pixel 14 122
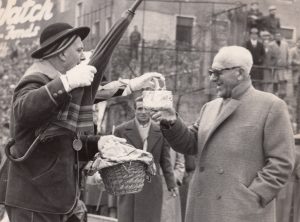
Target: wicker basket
pixel 124 178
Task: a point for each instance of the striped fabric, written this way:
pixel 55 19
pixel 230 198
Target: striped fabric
pixel 76 118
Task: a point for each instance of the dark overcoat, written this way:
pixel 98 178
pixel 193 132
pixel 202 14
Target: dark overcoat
pixel 257 52
pixel 258 55
pixel 48 180
pixel 146 206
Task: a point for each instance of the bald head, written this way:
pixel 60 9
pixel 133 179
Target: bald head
pixel 233 56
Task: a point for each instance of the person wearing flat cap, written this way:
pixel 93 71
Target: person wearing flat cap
pixel 271 23
pixel 46 122
pixel 244 144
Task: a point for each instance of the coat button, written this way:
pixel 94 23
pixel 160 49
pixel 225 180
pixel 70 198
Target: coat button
pixel 221 171
pixel 201 169
pixel 60 92
pixel 55 95
pixel 219 197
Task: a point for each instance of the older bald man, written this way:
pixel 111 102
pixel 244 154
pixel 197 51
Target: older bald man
pixel 244 142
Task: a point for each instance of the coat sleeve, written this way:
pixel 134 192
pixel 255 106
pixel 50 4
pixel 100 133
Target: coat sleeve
pixel 181 138
pixel 166 165
pixel 112 89
pixel 36 100
pixel 279 153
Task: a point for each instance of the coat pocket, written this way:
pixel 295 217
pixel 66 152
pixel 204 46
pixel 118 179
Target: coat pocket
pixel 253 197
pixel 49 176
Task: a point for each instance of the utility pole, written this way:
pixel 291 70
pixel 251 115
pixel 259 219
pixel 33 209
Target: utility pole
pixel 143 40
pixel 142 56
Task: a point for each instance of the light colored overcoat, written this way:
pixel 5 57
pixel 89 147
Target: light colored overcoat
pixel 245 156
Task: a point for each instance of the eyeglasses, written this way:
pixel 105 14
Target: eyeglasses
pixel 218 72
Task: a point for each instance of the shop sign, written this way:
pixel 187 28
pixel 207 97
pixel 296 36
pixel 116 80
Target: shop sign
pixel 22 19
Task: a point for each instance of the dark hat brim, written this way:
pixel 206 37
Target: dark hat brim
pixel 82 32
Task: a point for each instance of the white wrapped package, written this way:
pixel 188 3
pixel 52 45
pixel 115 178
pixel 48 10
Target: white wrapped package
pixel 158 98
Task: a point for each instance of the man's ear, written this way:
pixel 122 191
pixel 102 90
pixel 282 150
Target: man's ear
pixel 62 56
pixel 241 74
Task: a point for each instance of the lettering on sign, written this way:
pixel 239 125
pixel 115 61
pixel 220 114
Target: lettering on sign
pixel 3 49
pixel 21 20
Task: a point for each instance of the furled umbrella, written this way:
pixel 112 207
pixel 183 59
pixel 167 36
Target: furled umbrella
pixel 104 49
pixel 101 56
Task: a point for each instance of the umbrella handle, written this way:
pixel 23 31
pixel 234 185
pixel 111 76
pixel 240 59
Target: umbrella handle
pixel 135 5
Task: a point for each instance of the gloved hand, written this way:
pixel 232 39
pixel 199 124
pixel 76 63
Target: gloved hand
pixel 174 191
pixel 145 81
pixel 80 76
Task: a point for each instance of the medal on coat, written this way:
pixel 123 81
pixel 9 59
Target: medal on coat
pixel 77 144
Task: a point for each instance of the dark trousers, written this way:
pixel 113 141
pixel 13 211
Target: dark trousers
pixel 134 51
pixel 22 215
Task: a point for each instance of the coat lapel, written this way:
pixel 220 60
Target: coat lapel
pixel 154 135
pixel 133 135
pixel 226 111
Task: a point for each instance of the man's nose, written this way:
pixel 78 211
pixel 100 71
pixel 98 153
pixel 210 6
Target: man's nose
pixel 82 56
pixel 213 78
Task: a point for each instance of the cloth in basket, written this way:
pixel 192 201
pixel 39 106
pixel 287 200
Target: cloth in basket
pixel 123 168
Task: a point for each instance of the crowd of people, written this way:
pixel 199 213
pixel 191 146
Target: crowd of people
pixel 255 18
pixel 276 61
pixel 268 48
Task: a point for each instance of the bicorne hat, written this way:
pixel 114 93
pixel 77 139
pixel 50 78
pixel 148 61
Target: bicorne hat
pixel 57 37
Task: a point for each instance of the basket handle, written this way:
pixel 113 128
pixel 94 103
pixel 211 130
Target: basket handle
pixel 157 85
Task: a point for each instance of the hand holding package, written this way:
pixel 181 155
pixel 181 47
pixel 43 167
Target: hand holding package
pixel 145 81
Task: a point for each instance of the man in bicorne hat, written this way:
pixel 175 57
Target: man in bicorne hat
pixel 43 185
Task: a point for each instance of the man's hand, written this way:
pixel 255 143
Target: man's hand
pixel 174 192
pixel 164 115
pixel 104 141
pixel 80 76
pixel 146 80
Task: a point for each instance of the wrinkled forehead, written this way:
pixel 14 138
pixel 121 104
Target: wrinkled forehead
pixel 220 62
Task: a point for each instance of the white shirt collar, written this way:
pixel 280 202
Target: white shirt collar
pixel 253 42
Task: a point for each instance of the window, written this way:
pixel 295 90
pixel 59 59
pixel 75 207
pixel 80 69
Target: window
pixel 184 30
pixel 108 24
pixel 288 33
pixel 64 5
pixel 96 29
